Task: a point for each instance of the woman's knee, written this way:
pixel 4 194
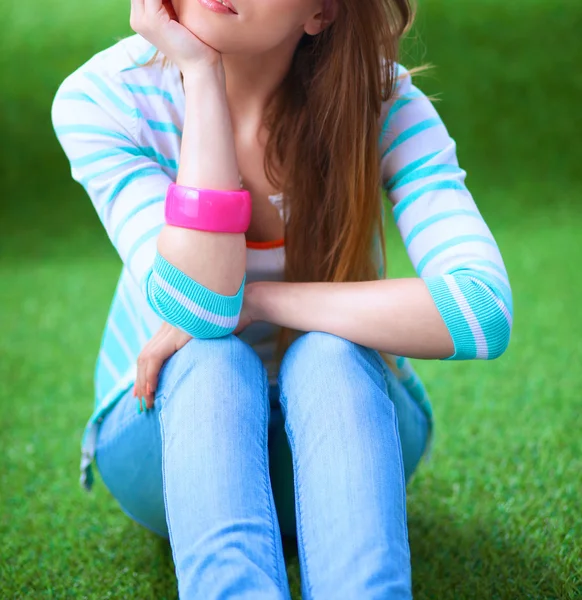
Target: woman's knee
pixel 322 356
pixel 316 349
pixel 317 364
pixel 219 358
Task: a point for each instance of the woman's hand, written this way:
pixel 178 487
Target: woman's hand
pixel 157 22
pixel 167 341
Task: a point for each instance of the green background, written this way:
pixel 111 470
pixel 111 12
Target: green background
pixel 497 512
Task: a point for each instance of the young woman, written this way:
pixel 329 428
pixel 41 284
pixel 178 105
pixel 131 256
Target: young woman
pixel 303 104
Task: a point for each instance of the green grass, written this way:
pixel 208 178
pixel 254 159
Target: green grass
pixel 496 513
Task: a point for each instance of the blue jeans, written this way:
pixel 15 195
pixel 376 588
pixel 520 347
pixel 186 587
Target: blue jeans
pixel 223 464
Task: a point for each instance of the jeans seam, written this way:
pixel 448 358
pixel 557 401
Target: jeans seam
pixel 396 433
pixel 300 537
pixel 388 376
pixel 165 395
pixel 384 370
pixel 401 473
pixel 267 484
pixel 389 379
pixel 164 487
pixel 113 435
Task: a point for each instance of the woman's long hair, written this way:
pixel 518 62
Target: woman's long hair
pixel 323 124
pixel 324 127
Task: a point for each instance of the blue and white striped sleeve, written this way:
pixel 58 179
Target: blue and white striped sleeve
pixel 127 181
pixel 447 239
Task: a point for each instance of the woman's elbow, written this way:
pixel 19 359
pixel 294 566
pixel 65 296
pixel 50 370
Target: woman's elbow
pixel 198 311
pixel 194 320
pixel 496 324
pixel 500 341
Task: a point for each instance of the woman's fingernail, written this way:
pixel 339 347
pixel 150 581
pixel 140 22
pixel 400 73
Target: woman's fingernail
pixel 138 406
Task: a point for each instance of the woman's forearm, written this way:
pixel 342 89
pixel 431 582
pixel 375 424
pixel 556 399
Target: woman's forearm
pixel 208 160
pixel 397 316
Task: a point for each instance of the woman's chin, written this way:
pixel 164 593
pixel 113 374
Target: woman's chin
pixel 215 39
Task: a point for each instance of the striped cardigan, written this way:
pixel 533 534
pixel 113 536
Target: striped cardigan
pixel 120 126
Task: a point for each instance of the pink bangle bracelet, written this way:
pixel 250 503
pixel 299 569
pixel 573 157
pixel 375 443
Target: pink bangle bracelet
pixel 225 211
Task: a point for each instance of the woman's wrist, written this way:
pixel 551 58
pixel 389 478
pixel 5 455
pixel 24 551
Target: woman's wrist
pixel 260 296
pixel 203 74
pixel 208 153
pixel 253 297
